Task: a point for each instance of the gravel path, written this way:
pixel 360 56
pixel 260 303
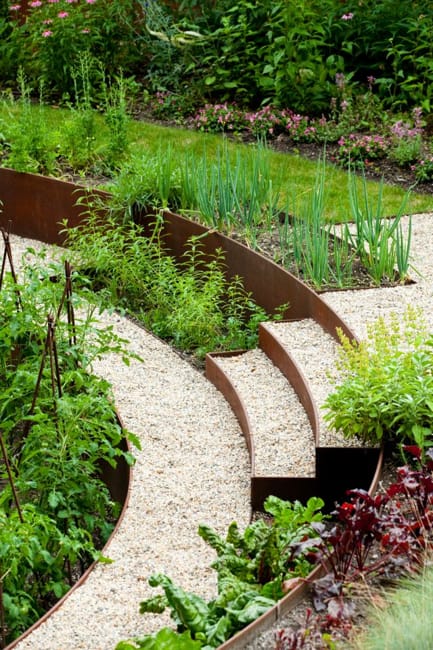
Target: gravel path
pixel 193 467
pixel 277 418
pixel 318 368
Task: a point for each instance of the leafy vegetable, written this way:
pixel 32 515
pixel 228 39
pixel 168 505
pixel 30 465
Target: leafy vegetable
pixel 251 569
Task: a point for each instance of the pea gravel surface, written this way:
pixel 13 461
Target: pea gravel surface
pixel 193 467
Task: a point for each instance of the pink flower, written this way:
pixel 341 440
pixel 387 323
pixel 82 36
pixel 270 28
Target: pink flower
pixel 63 14
pixel 85 31
pixel 347 16
pixel 90 2
pixel 53 1
pixel 15 7
pixel 35 3
pixel 48 21
pixel 47 33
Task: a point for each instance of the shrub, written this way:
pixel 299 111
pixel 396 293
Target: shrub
pixel 220 117
pixel 385 387
pixel 48 43
pixel 360 150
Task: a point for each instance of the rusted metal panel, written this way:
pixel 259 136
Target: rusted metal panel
pixel 36 205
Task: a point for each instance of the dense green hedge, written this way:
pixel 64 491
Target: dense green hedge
pixel 285 52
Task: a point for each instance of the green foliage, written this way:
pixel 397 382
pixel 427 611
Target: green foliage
pixel 49 43
pixel 30 142
pixel 116 118
pixel 385 386
pixel 266 50
pixel 56 433
pixel 389 42
pixel 191 303
pixel 33 555
pixel 231 190
pixel 379 242
pixel 262 557
pixel 404 622
pixel 251 569
pixel 165 639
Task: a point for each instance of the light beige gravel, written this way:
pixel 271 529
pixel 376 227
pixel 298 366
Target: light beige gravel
pixel 193 467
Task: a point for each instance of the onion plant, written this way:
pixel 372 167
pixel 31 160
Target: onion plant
pixel 379 242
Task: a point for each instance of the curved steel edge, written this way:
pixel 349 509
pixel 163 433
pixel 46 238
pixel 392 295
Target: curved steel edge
pixel 36 205
pixel 118 481
pixel 221 381
pixel 283 360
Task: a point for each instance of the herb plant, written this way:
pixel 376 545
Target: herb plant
pixel 385 387
pixel 190 303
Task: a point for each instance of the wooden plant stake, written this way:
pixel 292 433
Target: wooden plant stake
pixel 7 255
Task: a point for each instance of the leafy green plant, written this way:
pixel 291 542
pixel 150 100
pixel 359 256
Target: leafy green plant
pixel 58 428
pixel 116 118
pixel 190 303
pixel 252 568
pixel 263 554
pixel 379 242
pixel 165 639
pixel 30 143
pixel 80 131
pixel 384 390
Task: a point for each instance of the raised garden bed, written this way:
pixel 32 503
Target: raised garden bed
pixel 35 207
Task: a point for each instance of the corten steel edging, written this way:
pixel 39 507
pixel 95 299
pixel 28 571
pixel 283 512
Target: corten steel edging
pixel 269 284
pixel 282 359
pixel 118 481
pixel 291 599
pixel 221 381
pixel 36 205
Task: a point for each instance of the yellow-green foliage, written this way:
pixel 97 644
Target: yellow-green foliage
pixel 385 389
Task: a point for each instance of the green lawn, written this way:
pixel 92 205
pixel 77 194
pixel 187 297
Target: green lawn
pixel 293 174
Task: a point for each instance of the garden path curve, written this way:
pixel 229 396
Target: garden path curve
pixel 193 467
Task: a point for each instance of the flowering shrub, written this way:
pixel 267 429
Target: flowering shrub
pixel 361 149
pixel 423 169
pixel 55 33
pixel 220 117
pixel 406 139
pixel 264 122
pixel 298 127
pixel 267 122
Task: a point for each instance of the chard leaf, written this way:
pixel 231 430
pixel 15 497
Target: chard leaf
pixel 248 607
pixel 188 610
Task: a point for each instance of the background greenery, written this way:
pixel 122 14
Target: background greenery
pixel 282 52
